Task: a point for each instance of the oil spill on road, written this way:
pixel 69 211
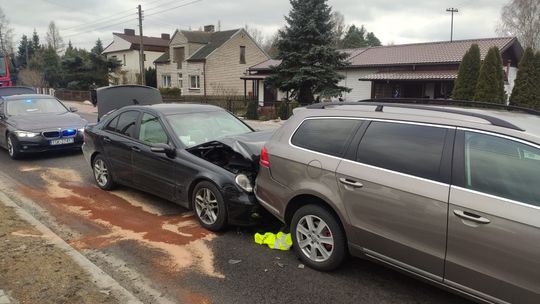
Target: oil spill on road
pixel 179 237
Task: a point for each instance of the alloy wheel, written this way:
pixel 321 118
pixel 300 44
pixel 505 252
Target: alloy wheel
pixel 315 239
pixel 11 149
pixel 101 172
pixel 206 206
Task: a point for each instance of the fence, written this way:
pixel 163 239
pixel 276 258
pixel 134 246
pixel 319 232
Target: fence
pixel 72 95
pixel 234 104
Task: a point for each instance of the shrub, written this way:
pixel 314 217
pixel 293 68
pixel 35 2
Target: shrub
pixel 251 112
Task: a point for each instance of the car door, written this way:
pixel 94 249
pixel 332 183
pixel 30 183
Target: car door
pixel 153 172
pixel 494 218
pixel 395 190
pixel 117 141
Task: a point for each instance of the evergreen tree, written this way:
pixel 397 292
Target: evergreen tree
pixel 372 40
pixel 24 45
pixel 490 86
pixel 150 76
pixel 469 70
pixel 52 71
pixel 526 83
pixel 354 38
pixel 98 48
pixel 35 41
pixel 537 81
pixel 70 51
pixel 309 61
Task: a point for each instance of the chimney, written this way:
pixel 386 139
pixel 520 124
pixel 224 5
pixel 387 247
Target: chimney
pixel 165 36
pixel 209 28
pixel 129 32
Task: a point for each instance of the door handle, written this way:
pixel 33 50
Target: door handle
pixel 106 139
pixel 471 217
pixel 351 183
pixel 136 149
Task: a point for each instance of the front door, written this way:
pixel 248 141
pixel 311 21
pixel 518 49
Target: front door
pixel 494 219
pixel 153 172
pixel 396 190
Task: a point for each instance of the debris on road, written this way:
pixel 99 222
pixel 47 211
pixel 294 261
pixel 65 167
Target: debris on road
pixel 281 265
pixel 233 262
pixel 301 266
pixel 281 241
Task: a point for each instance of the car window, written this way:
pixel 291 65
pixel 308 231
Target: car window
pixel 151 131
pixel 196 128
pixel 502 167
pixel 111 126
pixel 127 123
pixel 328 136
pixel 406 148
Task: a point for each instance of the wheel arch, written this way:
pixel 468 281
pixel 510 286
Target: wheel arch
pixel 302 200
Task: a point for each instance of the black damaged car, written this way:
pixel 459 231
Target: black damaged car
pixel 37 123
pixel 199 156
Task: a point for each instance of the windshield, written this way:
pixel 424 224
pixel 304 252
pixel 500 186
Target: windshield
pixel 196 128
pixel 34 106
pixel 3 69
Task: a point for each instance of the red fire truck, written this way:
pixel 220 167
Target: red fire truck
pixel 5 76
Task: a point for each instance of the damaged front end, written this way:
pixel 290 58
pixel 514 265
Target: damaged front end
pixel 237 154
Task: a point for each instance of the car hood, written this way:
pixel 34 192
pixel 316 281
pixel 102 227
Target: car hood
pixel 39 122
pixel 237 154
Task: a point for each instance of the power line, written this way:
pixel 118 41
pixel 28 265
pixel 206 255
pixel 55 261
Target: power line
pixel 172 8
pixel 102 27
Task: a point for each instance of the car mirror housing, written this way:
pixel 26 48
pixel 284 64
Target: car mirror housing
pixel 73 109
pixel 165 149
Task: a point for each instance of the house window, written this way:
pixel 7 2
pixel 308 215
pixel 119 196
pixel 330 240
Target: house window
pixel 125 60
pixel 180 81
pixel 194 82
pixel 242 55
pixel 166 81
pixel 179 56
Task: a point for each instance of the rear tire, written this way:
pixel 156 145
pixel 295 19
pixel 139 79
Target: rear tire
pixel 102 173
pixel 209 206
pixel 12 146
pixel 318 238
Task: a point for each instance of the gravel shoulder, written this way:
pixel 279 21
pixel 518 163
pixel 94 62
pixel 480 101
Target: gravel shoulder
pixel 36 271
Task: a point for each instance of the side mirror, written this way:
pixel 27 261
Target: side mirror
pixel 73 109
pixel 164 149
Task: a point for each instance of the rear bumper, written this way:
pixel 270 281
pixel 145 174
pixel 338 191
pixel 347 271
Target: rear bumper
pixel 41 144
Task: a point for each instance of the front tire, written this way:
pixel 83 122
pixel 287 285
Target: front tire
pixel 318 238
pixel 102 173
pixel 13 147
pixel 209 206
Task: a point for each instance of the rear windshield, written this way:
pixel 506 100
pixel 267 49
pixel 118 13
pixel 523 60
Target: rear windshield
pixel 33 106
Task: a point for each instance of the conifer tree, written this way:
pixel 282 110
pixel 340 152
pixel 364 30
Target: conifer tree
pixel 490 86
pixel 469 70
pixel 526 83
pixel 309 59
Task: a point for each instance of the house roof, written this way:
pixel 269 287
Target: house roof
pixel 412 75
pixel 444 52
pixel 214 41
pixel 165 58
pixel 150 43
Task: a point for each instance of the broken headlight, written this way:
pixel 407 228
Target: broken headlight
pixel 244 182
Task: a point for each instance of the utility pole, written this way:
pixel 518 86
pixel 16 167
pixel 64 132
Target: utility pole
pixel 141 49
pixel 452 10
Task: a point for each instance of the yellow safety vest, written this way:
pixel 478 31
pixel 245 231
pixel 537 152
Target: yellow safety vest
pixel 279 241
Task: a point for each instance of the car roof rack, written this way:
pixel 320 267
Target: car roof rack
pixel 424 104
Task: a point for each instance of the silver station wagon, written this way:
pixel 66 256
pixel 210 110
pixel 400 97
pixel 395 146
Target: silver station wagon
pixel 448 193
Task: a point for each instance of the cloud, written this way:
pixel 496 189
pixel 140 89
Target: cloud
pixel 83 22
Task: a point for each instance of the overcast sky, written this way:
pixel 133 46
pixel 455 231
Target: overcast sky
pixel 405 21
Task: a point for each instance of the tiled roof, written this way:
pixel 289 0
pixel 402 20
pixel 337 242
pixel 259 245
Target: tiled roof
pixel 147 41
pixel 197 36
pixel 412 75
pixel 422 53
pixel 216 40
pixel 165 58
pixel 444 52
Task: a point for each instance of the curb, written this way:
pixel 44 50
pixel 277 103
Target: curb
pixel 101 279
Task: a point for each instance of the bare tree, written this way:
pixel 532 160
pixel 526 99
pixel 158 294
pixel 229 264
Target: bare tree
pixel 54 39
pixel 521 18
pixel 256 34
pixel 31 78
pixel 270 45
pixel 6 34
pixel 338 22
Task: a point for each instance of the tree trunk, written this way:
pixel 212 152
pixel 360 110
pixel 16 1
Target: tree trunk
pixel 305 96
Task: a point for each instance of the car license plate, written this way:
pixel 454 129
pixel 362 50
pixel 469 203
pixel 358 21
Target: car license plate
pixel 62 141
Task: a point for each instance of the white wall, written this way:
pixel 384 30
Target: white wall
pixel 360 89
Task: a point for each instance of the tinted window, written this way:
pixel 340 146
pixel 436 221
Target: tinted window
pixel 151 131
pixel 410 149
pixel 111 126
pixel 127 123
pixel 328 136
pixel 502 167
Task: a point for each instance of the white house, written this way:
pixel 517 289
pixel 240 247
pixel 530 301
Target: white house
pixel 125 47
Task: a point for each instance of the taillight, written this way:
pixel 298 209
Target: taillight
pixel 265 160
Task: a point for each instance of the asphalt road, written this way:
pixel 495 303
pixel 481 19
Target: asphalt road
pixel 157 251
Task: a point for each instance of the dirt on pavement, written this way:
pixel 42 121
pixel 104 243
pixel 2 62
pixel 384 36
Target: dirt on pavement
pixel 35 271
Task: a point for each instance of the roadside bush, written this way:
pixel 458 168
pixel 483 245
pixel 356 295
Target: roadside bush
pixel 170 91
pixel 283 111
